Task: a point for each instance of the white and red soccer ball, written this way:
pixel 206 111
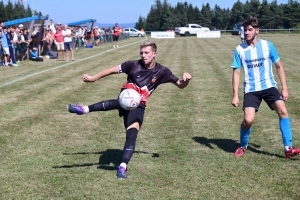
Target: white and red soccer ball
pixel 129 99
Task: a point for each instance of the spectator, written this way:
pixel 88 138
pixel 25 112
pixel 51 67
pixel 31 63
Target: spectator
pixel 66 33
pixel 50 39
pixel 51 26
pixel 101 35
pixel 96 36
pixel 24 42
pixel 116 33
pixel 12 61
pixel 5 48
pixel 59 41
pixel 33 55
pixel 15 42
pixel 1 51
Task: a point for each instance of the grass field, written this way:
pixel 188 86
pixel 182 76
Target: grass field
pixel 184 149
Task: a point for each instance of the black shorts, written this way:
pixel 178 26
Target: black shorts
pixel 253 99
pixel 132 116
pixel 115 38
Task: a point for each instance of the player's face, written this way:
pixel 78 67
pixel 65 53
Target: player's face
pixel 147 55
pixel 250 33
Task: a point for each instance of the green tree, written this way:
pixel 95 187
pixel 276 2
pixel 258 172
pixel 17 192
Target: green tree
pixel 217 19
pixel 237 13
pixel 291 12
pixel 166 21
pixel 277 14
pixel 10 11
pixel 206 15
pixel 19 10
pixel 3 14
pixel 265 15
pixel 141 24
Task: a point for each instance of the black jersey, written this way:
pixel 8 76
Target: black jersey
pixel 144 80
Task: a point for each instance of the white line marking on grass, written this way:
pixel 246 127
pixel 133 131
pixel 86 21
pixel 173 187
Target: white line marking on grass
pixel 60 66
pixel 231 38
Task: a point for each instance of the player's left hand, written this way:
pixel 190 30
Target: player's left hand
pixel 186 76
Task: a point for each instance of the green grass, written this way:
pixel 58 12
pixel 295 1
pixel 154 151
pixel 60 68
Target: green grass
pixel 184 149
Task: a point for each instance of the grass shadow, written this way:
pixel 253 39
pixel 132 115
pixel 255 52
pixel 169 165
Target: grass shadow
pixel 110 156
pixel 230 146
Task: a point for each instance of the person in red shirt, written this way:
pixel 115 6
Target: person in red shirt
pixel 59 41
pixel 116 33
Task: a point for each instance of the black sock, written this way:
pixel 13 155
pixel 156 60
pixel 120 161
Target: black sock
pixel 131 135
pixel 105 105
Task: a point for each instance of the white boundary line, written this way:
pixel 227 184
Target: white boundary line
pixel 60 66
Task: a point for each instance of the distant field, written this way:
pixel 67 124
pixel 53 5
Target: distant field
pixel 184 149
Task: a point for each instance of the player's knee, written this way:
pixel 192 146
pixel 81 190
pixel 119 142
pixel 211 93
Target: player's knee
pixel 135 125
pixel 247 123
pixel 282 112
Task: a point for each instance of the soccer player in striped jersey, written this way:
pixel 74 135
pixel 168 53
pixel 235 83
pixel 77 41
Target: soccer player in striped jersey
pixel 256 57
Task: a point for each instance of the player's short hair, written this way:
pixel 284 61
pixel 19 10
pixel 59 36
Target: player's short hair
pixel 251 21
pixel 149 43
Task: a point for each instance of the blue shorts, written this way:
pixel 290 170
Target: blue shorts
pixel 68 46
pixel 254 99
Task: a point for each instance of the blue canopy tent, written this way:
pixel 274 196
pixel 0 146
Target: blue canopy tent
pixel 89 23
pixel 30 22
pixel 83 22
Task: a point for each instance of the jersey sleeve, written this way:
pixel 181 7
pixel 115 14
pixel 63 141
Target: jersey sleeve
pixel 126 67
pixel 237 63
pixel 273 53
pixel 169 76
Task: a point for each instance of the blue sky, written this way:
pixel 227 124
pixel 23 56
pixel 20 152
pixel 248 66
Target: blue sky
pixel 109 11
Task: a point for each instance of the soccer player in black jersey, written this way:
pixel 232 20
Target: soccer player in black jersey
pixel 143 75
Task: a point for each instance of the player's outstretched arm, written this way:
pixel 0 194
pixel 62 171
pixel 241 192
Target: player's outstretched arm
pixel 235 86
pixel 182 83
pixel 106 72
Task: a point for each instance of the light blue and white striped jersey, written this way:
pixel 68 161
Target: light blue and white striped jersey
pixel 257 63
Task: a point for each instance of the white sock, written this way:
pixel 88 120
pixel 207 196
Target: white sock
pixel 118 46
pixel 286 148
pixel 86 109
pixel 123 165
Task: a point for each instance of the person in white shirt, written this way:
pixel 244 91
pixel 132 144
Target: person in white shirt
pixel 67 34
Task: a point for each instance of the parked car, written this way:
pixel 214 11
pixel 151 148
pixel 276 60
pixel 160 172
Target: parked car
pixel 236 29
pixel 190 29
pixel 134 32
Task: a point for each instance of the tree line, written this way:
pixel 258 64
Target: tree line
pixel 162 16
pixel 15 11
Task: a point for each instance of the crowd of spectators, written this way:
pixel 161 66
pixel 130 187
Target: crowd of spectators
pixel 19 43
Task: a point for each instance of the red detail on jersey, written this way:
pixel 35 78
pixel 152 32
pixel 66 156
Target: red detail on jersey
pixel 153 80
pixel 145 94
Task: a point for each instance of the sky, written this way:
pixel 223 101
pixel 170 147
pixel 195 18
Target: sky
pixel 109 11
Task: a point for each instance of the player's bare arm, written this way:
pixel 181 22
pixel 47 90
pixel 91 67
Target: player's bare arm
pixel 235 87
pixel 105 72
pixel 182 83
pixel 282 78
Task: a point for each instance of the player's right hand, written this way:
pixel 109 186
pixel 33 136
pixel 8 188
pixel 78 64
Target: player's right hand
pixel 235 101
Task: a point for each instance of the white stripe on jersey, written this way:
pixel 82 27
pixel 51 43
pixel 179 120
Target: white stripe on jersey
pixel 257 63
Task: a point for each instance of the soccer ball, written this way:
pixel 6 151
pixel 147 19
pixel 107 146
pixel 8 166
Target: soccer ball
pixel 129 99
